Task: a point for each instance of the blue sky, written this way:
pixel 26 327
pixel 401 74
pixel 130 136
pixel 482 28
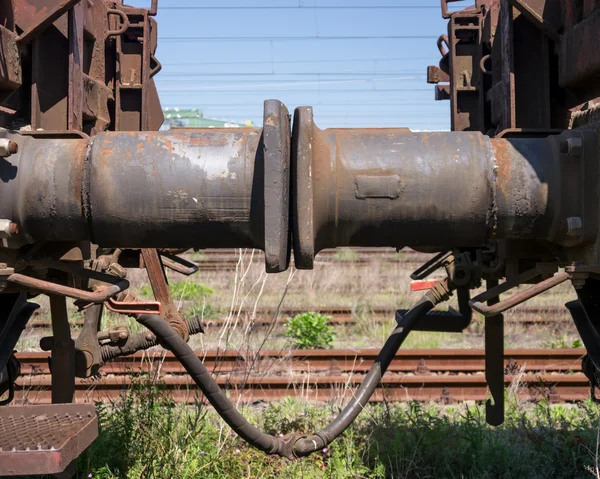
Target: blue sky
pixel 227 60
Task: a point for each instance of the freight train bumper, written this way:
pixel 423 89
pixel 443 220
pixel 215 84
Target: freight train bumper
pixel 214 188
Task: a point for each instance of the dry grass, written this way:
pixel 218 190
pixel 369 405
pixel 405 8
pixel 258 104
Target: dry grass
pixel 338 283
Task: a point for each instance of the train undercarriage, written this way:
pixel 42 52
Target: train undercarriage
pixel 90 189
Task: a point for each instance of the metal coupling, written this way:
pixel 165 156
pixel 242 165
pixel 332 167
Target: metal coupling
pixel 394 187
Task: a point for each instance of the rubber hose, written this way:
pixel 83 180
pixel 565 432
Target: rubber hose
pixel 293 446
pixel 320 439
pixel 224 407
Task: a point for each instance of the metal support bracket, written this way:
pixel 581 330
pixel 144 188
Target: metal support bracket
pixel 494 362
pixel 160 287
pixel 88 353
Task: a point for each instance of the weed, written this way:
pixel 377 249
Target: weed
pixel 563 342
pixel 145 435
pixel 197 256
pixel 346 255
pixel 205 311
pixel 310 330
pixel 182 291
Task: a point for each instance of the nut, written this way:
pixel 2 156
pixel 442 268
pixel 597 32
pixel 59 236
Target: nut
pixel 572 146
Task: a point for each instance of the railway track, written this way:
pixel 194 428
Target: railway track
pixel 229 259
pixel 344 316
pixel 437 375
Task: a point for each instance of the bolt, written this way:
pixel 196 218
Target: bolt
pixel 7 147
pixel 8 228
pixel 572 146
pixel 574 226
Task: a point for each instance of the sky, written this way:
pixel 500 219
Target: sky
pixel 358 63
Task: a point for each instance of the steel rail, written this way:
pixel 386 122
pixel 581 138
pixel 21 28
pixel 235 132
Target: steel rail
pixel 327 361
pixel 555 387
pixel 345 316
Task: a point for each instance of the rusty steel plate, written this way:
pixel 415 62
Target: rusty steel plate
pixel 276 143
pixel 44 439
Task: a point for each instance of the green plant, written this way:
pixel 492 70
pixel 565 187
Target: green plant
pixel 347 255
pixel 563 342
pixel 183 290
pixel 204 311
pixel 197 256
pixel 310 331
pixel 146 435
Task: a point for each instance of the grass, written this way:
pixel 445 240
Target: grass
pixel 221 294
pixel 145 435
pixel 346 255
pixel 183 290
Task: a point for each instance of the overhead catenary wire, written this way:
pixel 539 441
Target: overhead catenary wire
pixel 419 75
pixel 297 38
pixel 281 62
pixel 283 90
pixel 305 7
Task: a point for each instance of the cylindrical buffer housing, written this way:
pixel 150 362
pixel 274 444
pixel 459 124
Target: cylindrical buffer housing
pixel 205 188
pixel 181 188
pixel 393 187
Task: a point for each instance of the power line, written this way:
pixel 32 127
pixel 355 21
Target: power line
pixel 298 38
pixel 293 62
pixel 279 90
pixel 243 74
pixel 308 7
pixel 229 86
pixel 259 105
pixel 336 115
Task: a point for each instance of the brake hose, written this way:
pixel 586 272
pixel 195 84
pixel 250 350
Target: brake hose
pixel 294 446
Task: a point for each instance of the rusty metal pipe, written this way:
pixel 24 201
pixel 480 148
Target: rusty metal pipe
pixel 102 294
pixel 205 188
pixel 394 187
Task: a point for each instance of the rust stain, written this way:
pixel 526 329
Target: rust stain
pixel 77 171
pixel 503 158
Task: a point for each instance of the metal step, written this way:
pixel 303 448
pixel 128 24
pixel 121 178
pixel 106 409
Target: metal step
pixel 44 439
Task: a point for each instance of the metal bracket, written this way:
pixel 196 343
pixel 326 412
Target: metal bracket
pixel 495 308
pixel 115 285
pixel 12 323
pixel 178 264
pixel 494 362
pixel 88 354
pixel 431 266
pixel 447 14
pixel 160 287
